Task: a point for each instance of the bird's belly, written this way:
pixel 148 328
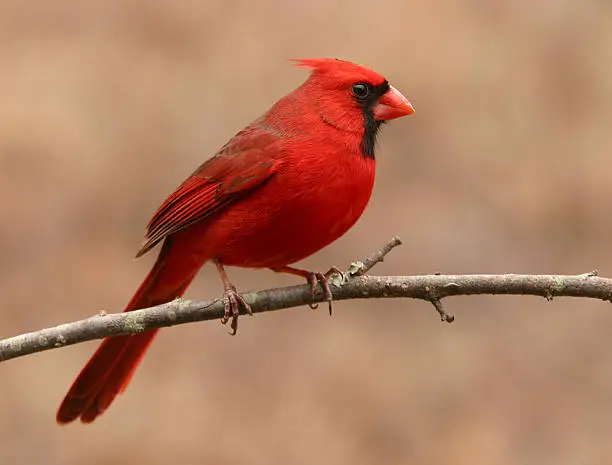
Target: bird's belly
pixel 279 224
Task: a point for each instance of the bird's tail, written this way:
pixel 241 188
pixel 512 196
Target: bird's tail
pixel 111 367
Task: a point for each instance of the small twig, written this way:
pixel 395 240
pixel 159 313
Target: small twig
pixel 436 301
pixel 444 316
pixel 362 267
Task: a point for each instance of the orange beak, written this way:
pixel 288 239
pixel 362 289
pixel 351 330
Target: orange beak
pixel 392 104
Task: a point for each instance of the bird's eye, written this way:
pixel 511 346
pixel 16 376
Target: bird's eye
pixel 361 90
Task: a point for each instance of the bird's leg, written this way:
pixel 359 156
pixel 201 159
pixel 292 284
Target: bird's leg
pixel 313 279
pixel 231 299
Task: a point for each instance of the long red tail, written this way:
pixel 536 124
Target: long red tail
pixel 111 367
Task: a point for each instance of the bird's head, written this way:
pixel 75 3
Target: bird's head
pixel 353 98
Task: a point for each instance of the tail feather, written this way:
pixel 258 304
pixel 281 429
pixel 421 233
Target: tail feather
pixel 112 366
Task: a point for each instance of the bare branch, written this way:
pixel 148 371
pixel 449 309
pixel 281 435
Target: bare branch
pixel 350 285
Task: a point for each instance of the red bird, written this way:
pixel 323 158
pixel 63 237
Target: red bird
pixel 290 183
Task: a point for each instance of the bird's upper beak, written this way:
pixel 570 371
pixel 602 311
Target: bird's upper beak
pixel 392 104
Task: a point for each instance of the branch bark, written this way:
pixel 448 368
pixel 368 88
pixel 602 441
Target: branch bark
pixel 350 285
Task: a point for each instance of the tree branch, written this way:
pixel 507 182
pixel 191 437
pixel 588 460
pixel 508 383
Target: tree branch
pixel 350 285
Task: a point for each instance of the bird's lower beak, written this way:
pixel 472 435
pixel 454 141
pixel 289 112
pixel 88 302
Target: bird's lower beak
pixel 392 104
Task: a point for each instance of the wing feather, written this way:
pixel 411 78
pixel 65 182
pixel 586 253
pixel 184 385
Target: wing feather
pixel 240 167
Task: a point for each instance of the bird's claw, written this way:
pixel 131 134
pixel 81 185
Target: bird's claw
pixel 321 278
pixel 232 302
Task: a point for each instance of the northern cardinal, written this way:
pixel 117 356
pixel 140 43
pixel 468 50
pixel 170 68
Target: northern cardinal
pixel 287 185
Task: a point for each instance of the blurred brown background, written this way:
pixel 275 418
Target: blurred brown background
pixel 106 107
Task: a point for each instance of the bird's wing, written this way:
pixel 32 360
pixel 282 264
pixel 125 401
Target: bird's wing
pixel 242 165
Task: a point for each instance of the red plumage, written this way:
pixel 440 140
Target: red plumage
pixel 293 181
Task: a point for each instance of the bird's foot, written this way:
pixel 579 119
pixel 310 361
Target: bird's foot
pixel 314 279
pixel 322 279
pixel 233 301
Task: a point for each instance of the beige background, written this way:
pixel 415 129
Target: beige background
pixel 105 107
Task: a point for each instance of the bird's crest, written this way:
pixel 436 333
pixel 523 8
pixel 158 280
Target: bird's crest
pixel 341 70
